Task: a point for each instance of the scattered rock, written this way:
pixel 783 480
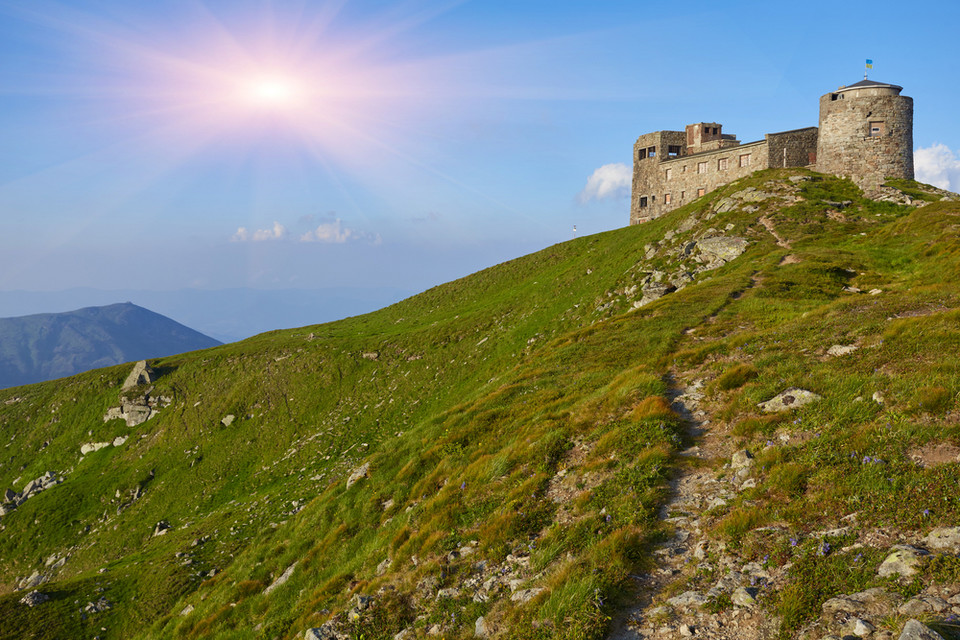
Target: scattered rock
pixel 99 606
pixel 187 610
pixel 719 250
pixel 480 628
pixel 744 597
pixel 688 599
pixel 916 630
pixel 922 605
pixel 228 419
pixel 789 399
pixel 141 374
pixel 34 598
pixel 161 529
pixel 841 350
pixel 861 628
pixel 119 440
pixel 903 561
pixel 741 460
pixel 944 538
pixel 281 579
pixel 358 474
pixel 90 447
pixel 327 631
pixel 526 595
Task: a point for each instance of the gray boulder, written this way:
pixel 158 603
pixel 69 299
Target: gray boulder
pixel 327 631
pixel 789 399
pixel 359 473
pixel 904 561
pixel 944 538
pixel 916 630
pixel 688 599
pixel 719 250
pixel 141 374
pixel 34 598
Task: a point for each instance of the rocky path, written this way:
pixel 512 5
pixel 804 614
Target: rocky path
pixel 694 491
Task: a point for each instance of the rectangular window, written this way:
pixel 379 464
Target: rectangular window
pixel 668 173
pixel 673 150
pixel 666 198
pixel 651 152
pixel 643 201
pixel 876 129
pixel 701 167
pixel 682 194
pixel 641 154
pixel 653 199
pixel 701 191
pixel 745 160
pixel 683 169
pixel 722 164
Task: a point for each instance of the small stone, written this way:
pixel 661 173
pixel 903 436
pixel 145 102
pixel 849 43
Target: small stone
pixel 525 595
pixel 841 350
pixel 878 397
pixel 480 628
pixel 861 628
pixel 228 419
pixel 916 630
pixel 358 474
pixel 187 610
pixel 741 460
pixel 789 399
pixel 744 597
pixel 686 631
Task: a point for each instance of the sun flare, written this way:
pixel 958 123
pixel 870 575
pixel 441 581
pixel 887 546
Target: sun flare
pixel 273 92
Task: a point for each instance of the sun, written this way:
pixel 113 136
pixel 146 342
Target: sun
pixel 274 92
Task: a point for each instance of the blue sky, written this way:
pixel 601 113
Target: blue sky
pixel 220 144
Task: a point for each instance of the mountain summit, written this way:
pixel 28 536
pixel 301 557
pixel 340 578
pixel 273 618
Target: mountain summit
pixel 736 421
pixel 53 345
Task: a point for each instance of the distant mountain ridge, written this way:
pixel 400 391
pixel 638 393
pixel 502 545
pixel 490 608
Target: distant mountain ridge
pixel 45 346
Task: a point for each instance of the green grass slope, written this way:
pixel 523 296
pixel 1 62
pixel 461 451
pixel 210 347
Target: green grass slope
pixel 516 426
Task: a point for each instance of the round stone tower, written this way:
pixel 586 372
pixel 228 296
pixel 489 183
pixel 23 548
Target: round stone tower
pixel 866 133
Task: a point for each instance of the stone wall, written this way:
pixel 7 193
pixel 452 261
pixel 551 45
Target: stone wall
pixel 664 182
pixel 797 148
pixel 849 148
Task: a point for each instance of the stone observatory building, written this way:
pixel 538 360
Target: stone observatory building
pixel 865 134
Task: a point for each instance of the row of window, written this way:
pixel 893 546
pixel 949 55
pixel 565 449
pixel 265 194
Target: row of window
pixel 673 151
pixel 722 165
pixel 667 198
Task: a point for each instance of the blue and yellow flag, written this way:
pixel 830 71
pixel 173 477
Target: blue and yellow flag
pixel 869 64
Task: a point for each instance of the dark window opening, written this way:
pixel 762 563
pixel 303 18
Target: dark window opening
pixel 673 150
pixel 643 201
pixel 641 154
pixel 652 152
pixel 833 96
pixel 653 199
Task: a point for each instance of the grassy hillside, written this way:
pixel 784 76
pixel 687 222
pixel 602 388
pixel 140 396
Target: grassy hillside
pixel 519 435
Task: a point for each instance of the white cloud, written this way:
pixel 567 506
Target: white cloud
pixel 333 232
pixel 278 232
pixel 937 165
pixel 608 182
